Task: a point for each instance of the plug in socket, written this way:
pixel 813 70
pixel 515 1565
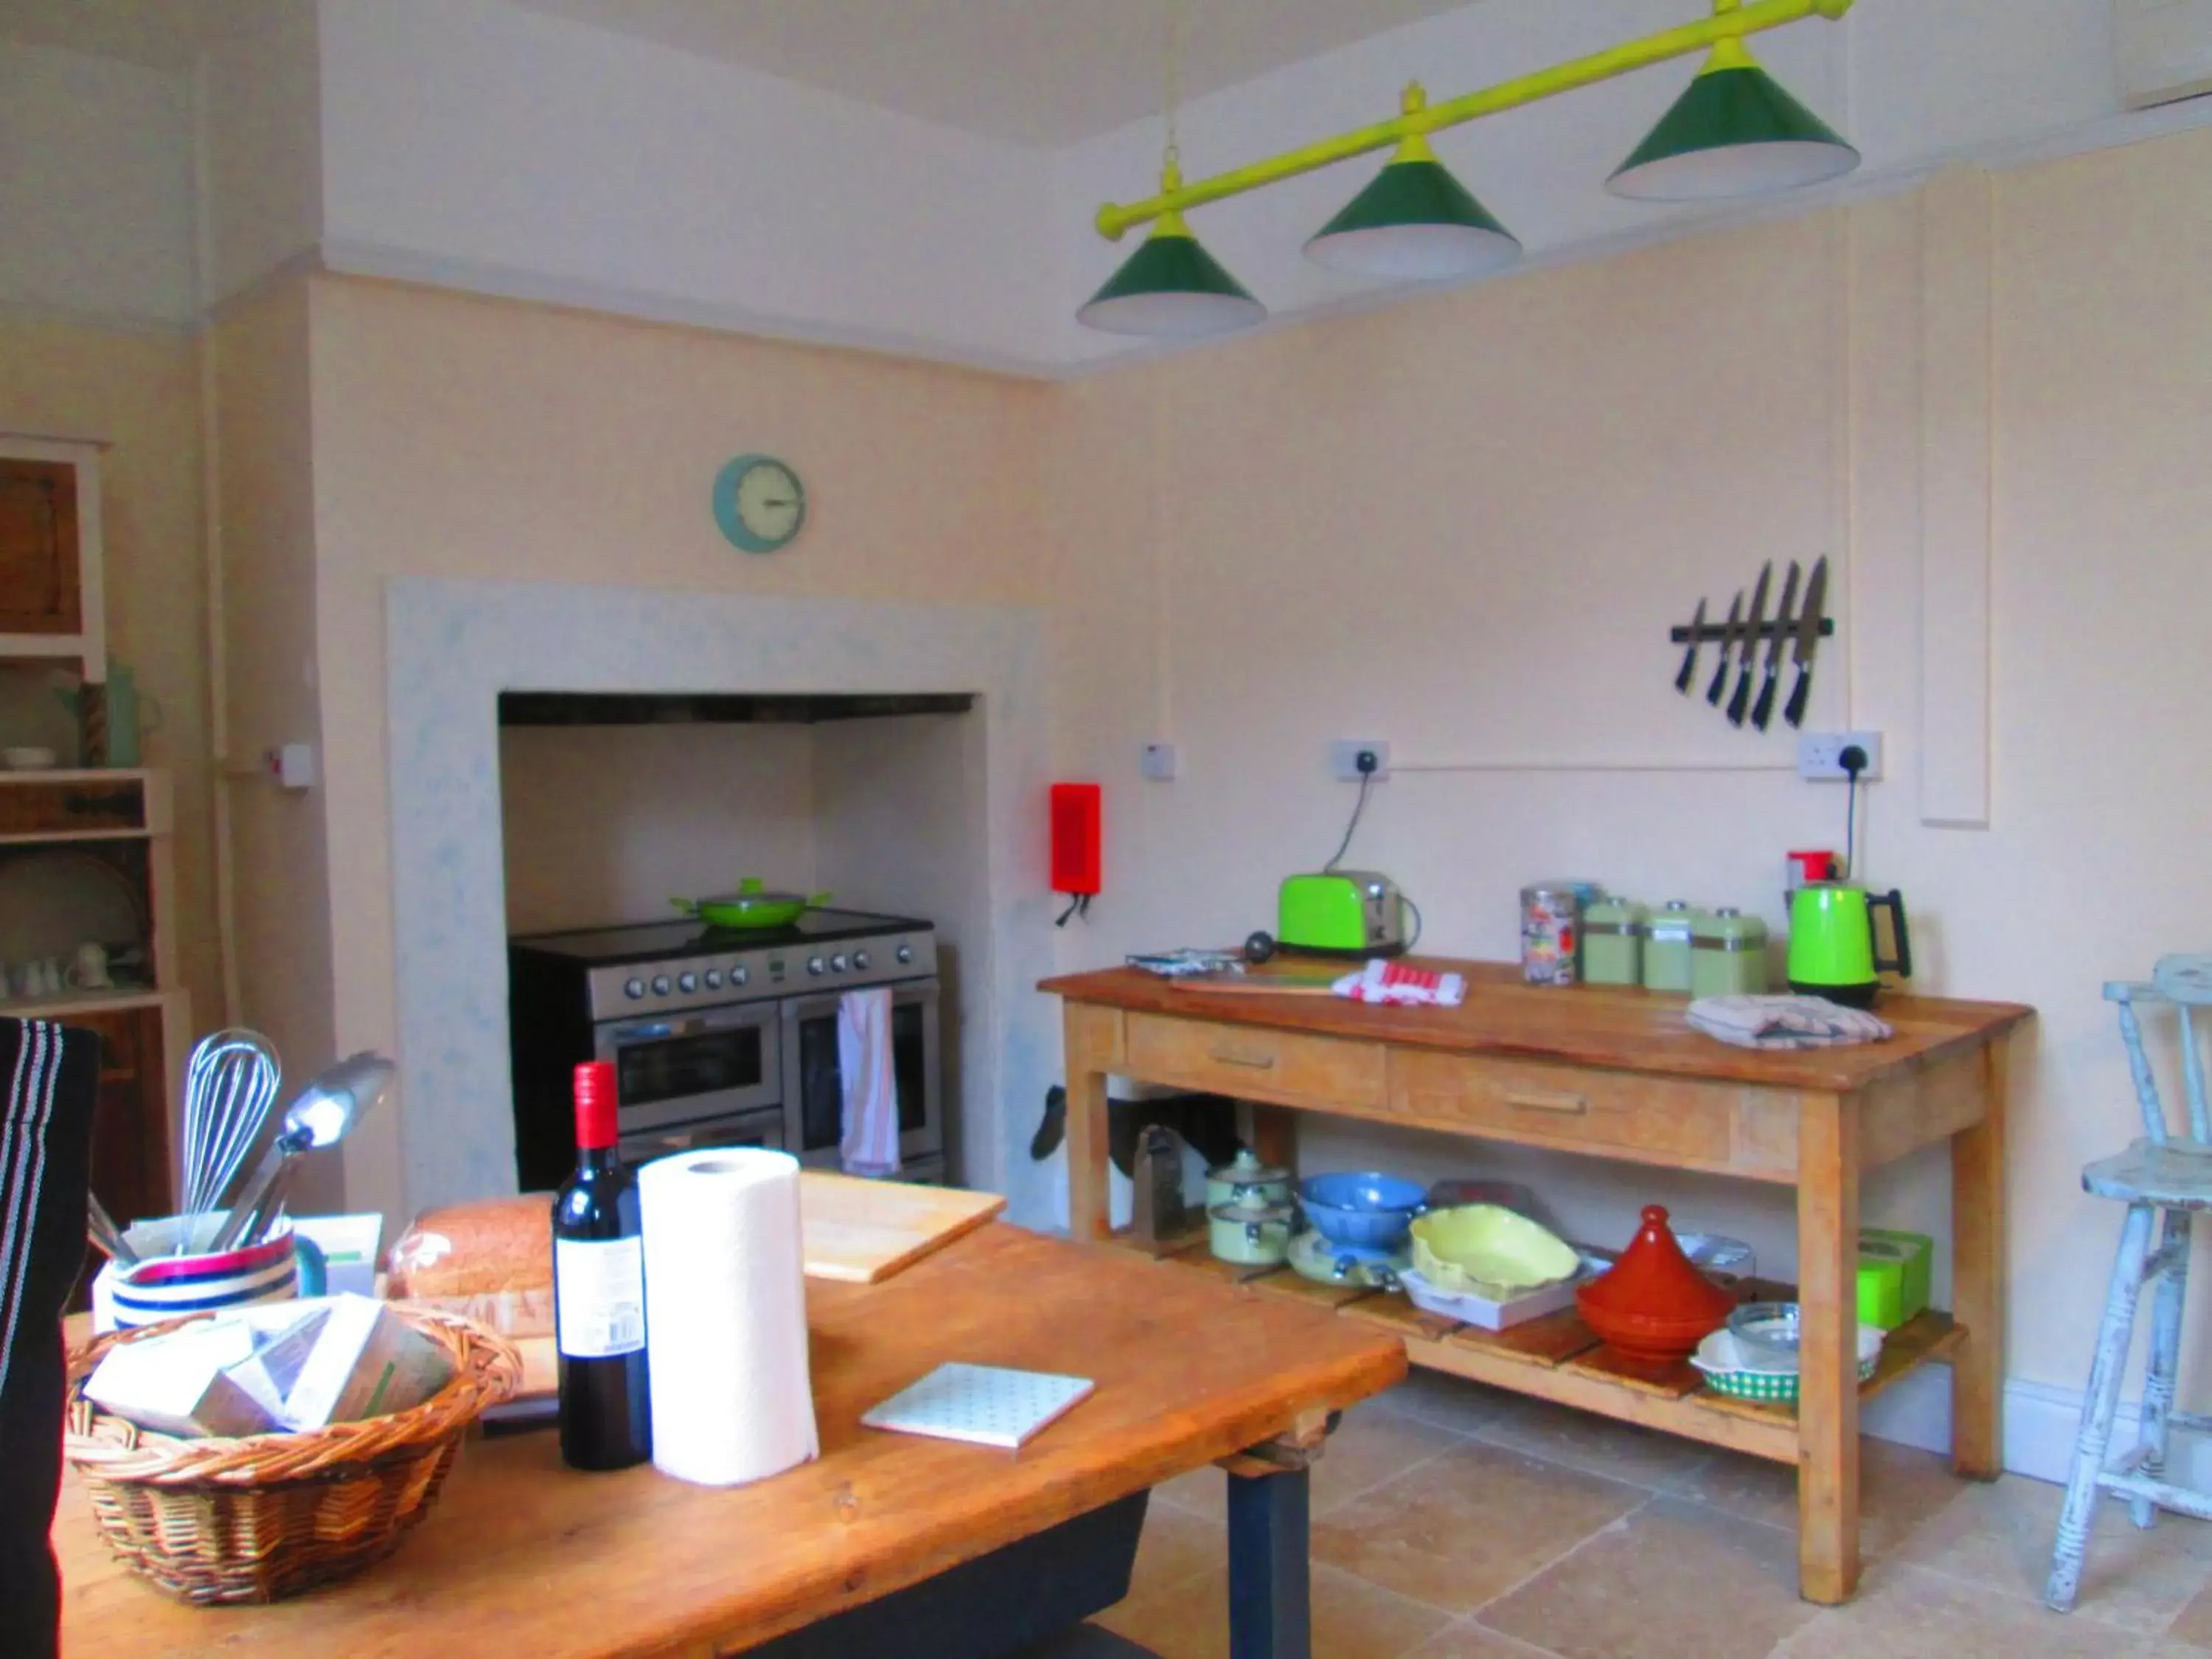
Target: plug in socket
pixel 1819 755
pixel 1344 758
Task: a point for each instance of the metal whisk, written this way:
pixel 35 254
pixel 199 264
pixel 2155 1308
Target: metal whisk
pixel 229 1085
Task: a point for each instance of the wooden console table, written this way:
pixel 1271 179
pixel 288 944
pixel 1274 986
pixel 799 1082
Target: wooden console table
pixel 1619 1073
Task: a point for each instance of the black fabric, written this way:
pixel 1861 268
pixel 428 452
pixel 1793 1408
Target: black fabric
pixel 51 1077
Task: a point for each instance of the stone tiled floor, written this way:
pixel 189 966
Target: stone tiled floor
pixel 1452 1521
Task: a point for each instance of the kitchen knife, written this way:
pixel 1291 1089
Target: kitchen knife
pixel 1730 635
pixel 1762 710
pixel 1741 701
pixel 1809 641
pixel 1690 657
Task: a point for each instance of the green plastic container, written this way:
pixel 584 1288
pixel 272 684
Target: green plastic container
pixel 1728 955
pixel 1881 1289
pixel 1666 948
pixel 1911 1254
pixel 1613 942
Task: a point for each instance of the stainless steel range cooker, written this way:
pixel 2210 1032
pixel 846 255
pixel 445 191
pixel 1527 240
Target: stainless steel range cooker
pixel 718 1038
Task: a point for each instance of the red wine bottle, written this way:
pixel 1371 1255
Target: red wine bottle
pixel 599 1293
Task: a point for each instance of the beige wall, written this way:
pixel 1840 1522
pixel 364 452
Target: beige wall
pixel 606 823
pixel 280 857
pixel 1464 525
pixel 459 437
pixel 140 395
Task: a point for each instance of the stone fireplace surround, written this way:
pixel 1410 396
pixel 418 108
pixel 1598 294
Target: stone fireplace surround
pixel 453 646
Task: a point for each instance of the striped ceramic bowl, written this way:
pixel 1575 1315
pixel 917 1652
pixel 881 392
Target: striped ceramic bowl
pixel 164 1285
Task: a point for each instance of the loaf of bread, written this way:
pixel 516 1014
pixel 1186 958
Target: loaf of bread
pixel 491 1261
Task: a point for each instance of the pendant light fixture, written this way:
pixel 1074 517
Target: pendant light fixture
pixel 1415 222
pixel 1735 132
pixel 1171 288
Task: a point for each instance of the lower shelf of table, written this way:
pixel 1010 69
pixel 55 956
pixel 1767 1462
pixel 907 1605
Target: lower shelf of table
pixel 1557 1358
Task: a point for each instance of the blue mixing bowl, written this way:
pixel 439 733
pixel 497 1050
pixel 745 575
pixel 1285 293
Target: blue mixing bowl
pixel 1370 1209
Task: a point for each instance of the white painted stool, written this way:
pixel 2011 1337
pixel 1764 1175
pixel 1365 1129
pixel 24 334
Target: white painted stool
pixel 2159 1173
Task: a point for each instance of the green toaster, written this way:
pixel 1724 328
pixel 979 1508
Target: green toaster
pixel 1341 913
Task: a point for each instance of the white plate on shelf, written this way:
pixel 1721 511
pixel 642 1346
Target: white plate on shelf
pixel 54 899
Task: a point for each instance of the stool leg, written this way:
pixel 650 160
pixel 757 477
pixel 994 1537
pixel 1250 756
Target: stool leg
pixel 2098 1406
pixel 2165 1359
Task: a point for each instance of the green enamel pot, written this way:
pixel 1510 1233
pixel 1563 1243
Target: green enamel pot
pixel 752 905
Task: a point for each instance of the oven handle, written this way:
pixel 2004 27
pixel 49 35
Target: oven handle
pixel 754 1014
pixel 817 1004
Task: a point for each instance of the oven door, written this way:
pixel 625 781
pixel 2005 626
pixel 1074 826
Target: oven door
pixel 716 1063
pixel 755 1129
pixel 814 1090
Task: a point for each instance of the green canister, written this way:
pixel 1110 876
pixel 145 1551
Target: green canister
pixel 1613 942
pixel 1728 955
pixel 1666 948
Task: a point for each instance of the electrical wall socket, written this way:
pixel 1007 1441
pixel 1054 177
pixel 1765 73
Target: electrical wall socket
pixel 1344 758
pixel 1817 753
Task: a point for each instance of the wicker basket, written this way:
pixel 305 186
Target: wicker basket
pixel 219 1521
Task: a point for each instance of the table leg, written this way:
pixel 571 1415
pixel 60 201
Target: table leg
pixel 1088 1046
pixel 1978 1248
pixel 1828 1388
pixel 1270 1612
pixel 1275 1136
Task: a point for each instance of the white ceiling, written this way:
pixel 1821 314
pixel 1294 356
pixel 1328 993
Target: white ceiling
pixel 1042 72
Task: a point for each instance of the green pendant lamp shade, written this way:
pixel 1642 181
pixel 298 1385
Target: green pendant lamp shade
pixel 1171 286
pixel 1415 222
pixel 1734 132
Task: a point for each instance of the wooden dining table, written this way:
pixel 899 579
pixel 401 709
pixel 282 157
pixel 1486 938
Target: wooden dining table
pixel 1618 1073
pixel 888 1544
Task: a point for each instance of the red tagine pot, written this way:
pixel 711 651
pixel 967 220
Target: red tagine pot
pixel 1653 1305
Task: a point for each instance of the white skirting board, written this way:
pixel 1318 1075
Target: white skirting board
pixel 2040 1425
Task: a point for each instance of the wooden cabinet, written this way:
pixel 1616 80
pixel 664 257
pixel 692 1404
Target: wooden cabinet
pixel 130 1127
pixel 38 573
pixel 50 559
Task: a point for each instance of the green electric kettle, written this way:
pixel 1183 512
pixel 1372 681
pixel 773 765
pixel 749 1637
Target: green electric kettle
pixel 1832 951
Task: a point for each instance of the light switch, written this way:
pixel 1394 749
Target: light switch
pixel 1158 762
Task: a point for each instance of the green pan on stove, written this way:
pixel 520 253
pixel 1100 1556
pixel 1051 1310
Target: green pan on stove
pixel 751 906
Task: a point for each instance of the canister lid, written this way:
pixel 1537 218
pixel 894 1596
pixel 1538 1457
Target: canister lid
pixel 1246 1170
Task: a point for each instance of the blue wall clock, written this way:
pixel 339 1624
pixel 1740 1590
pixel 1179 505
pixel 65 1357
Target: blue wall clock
pixel 759 503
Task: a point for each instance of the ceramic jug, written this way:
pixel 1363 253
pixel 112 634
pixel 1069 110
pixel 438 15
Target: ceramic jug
pixel 130 715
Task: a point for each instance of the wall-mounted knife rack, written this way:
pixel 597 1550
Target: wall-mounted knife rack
pixel 1747 636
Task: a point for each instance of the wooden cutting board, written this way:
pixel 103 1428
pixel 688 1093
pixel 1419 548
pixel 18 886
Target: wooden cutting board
pixel 864 1231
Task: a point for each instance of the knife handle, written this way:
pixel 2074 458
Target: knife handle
pixel 1689 669
pixel 1742 698
pixel 1762 710
pixel 1719 687
pixel 1793 710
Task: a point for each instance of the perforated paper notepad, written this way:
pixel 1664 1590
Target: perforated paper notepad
pixel 986 1405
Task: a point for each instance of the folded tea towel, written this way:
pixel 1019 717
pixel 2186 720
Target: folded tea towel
pixel 1780 1022
pixel 870 1144
pixel 1393 982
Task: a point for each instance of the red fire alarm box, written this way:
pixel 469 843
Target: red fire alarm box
pixel 1077 858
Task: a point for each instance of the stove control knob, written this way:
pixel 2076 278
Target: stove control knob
pixel 687 983
pixel 633 988
pixel 837 962
pixel 714 979
pixel 660 984
pixel 814 964
pixel 739 976
pixel 905 953
pixel 861 960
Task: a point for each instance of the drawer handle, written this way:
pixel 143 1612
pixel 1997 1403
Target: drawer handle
pixel 1530 1100
pixel 1256 1062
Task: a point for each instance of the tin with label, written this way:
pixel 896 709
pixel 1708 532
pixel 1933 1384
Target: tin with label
pixel 1666 948
pixel 1551 931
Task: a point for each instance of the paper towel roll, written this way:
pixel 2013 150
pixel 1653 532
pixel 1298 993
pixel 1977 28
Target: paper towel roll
pixel 726 1315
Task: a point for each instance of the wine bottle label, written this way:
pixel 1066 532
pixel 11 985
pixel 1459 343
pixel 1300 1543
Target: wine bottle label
pixel 598 1294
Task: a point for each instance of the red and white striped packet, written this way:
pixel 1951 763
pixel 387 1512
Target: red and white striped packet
pixel 1398 982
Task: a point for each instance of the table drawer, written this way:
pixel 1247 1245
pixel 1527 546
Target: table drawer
pixel 71 807
pixel 1254 1064
pixel 1564 1106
